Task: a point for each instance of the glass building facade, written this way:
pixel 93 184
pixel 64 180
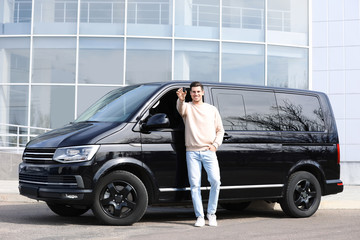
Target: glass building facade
pixel 59 56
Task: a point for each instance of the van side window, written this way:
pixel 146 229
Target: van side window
pixel 300 113
pixel 232 110
pixel 247 110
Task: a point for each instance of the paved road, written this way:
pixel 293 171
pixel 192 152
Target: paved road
pixel 35 221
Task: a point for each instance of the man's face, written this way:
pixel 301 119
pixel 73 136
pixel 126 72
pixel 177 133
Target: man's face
pixel 196 94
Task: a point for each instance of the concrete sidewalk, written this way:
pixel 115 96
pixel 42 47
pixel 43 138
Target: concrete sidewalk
pixel 348 199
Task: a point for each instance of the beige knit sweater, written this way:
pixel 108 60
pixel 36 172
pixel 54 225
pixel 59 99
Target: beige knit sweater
pixel 203 125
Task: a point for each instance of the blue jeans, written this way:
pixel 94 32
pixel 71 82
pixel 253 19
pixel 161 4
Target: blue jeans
pixel 195 160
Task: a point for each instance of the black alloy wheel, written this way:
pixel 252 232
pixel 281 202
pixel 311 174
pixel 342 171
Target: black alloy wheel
pixel 120 199
pixel 302 196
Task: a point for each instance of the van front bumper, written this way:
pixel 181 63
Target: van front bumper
pixel 56 183
pixel 65 195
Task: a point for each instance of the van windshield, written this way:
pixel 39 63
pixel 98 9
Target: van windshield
pixel 118 105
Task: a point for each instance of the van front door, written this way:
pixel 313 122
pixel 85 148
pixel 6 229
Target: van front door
pixel 163 150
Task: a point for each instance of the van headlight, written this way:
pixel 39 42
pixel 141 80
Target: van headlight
pixel 75 154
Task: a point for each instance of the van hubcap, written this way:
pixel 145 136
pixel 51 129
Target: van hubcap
pixel 304 195
pixel 118 199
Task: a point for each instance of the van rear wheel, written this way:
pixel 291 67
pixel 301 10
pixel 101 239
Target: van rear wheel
pixel 302 196
pixel 120 199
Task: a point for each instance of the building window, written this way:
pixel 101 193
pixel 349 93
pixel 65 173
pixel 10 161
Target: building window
pixel 288 67
pixel 55 16
pixel 288 22
pixel 149 18
pixel 197 18
pixel 22 11
pixel 101 60
pixel 54 60
pixel 145 12
pixel 14 60
pixel 14 104
pixel 95 11
pixel 243 63
pixel 243 20
pixel 14 111
pixel 15 17
pixel 196 60
pixel 52 106
pixel 102 17
pixel 148 60
pixel 205 13
pixel 65 11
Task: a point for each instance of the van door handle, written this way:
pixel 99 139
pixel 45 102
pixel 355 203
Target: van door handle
pixel 227 136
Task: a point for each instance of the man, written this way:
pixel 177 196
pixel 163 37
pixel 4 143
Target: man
pixel 204 133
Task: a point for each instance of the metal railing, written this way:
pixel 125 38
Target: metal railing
pixel 148 13
pixel 205 15
pixel 102 12
pixel 22 11
pixel 239 17
pixel 14 137
pixel 279 20
pixel 158 13
pixel 65 11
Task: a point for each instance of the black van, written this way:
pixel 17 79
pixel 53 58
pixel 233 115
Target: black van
pixel 127 152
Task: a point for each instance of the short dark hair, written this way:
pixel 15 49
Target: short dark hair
pixel 196 84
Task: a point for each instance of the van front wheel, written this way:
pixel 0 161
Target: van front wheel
pixel 120 199
pixel 67 210
pixel 302 196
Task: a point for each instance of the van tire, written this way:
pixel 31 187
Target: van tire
pixel 66 210
pixel 302 195
pixel 120 199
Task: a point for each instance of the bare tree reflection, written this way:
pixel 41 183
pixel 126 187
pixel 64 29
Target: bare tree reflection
pixel 287 117
pixel 292 118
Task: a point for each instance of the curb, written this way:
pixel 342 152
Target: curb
pixel 15 198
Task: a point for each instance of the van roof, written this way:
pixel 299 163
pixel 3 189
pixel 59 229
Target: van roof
pixel 214 84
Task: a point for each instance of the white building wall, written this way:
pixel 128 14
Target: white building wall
pixel 336 71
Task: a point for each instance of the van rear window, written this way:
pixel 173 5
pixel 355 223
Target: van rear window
pixel 300 113
pixel 247 110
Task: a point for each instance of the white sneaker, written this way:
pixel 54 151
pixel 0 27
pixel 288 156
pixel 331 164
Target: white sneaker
pixel 200 222
pixel 212 220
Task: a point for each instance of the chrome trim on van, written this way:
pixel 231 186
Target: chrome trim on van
pixel 224 187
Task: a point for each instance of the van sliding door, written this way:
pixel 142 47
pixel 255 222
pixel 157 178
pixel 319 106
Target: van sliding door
pixel 250 156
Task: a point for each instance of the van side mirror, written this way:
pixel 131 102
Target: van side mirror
pixel 159 120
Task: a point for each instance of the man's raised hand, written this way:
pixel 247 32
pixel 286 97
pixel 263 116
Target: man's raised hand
pixel 181 94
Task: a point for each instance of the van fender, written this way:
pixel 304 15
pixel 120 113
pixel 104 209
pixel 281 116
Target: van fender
pixel 130 162
pixel 310 166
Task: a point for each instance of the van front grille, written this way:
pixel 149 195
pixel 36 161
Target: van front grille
pixel 39 155
pixel 48 180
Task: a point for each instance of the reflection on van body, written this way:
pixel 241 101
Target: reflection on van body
pixel 127 152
